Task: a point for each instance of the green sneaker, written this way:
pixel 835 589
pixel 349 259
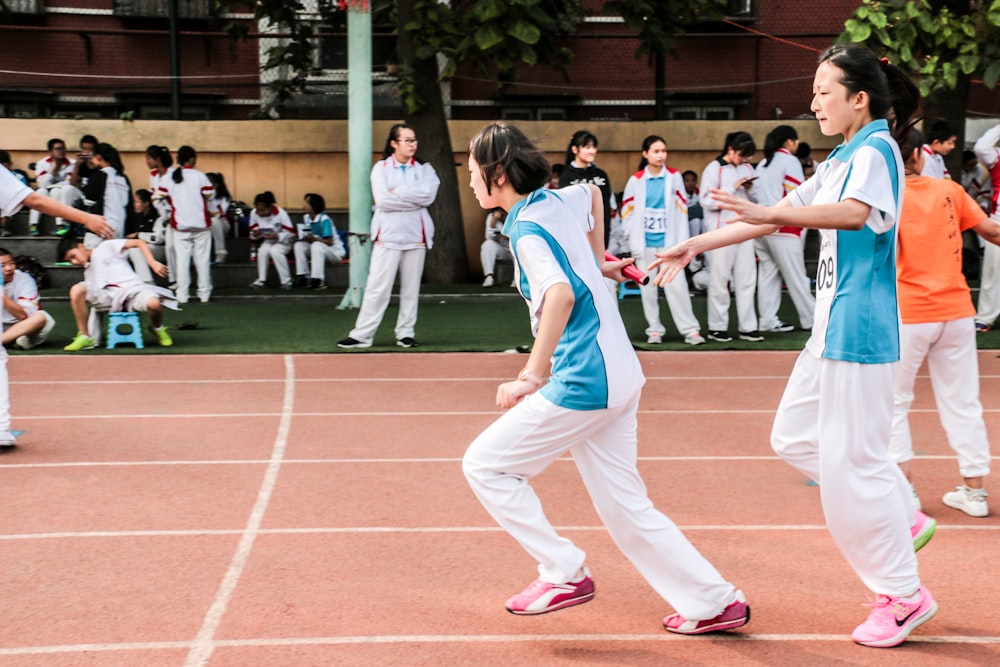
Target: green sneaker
pixel 81 342
pixel 163 337
pixel 62 230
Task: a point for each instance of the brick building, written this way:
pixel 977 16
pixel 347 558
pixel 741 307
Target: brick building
pixel 112 58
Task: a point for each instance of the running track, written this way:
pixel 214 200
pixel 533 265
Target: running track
pixel 308 510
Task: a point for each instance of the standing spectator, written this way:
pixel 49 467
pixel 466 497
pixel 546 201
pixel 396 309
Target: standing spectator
pixel 318 243
pixel 781 255
pixel 941 138
pixel 83 169
pixel 218 206
pixel 654 217
pixel 190 191
pixel 13 195
pixel 976 180
pixel 732 266
pixel 496 246
pixel 936 310
pixel 402 232
pixel 160 165
pixel 989 285
pixel 581 154
pixel 52 177
pixel 25 324
pixel 271 227
pixel 804 154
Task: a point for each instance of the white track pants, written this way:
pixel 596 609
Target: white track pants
pixel 950 349
pixel 196 246
pixel 782 257
pixel 833 425
pixel 522 443
pixel 489 253
pixel 311 258
pixel 678 300
pixel 381 274
pixel 273 251
pixel 736 262
pixel 989 284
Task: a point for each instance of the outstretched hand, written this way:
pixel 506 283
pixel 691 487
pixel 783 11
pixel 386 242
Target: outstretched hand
pixel 746 211
pixel 669 263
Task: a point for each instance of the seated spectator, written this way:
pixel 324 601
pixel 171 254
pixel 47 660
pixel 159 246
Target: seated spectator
pixel 218 208
pixel 52 174
pixel 804 154
pixel 496 246
pixel 271 226
pixel 147 224
pixel 110 282
pixel 25 324
pixel 318 243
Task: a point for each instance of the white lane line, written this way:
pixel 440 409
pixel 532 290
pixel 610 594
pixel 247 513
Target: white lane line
pixel 368 530
pixel 204 644
pixel 388 460
pixel 480 639
pixel 386 413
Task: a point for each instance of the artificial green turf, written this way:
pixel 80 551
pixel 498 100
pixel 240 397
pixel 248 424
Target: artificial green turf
pixel 451 319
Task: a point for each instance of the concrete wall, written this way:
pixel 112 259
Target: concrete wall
pixel 293 157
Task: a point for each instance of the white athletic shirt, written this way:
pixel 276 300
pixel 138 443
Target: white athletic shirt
pixel 778 177
pixel 721 175
pixel 857 315
pixel 593 366
pixel 23 291
pixel 189 200
pixel 13 192
pixel 934 164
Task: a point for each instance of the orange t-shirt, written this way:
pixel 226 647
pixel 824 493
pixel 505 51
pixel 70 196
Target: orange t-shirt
pixel 930 283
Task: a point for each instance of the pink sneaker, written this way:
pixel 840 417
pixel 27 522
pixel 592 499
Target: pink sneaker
pixel 892 620
pixel 922 530
pixel 541 597
pixel 737 613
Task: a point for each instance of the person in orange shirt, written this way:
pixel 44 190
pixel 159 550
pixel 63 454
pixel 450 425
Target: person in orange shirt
pixel 936 308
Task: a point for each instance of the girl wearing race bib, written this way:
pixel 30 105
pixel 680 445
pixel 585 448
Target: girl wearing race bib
pixel 654 217
pixel 834 420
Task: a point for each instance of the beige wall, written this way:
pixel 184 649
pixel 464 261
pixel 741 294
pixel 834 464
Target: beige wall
pixel 293 157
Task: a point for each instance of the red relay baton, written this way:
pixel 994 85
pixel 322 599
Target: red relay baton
pixel 629 270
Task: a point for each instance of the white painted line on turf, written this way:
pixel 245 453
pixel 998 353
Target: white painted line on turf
pixel 481 639
pixel 203 646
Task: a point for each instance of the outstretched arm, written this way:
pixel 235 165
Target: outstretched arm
pixel 57 209
pixel 157 268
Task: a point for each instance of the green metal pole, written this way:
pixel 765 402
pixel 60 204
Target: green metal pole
pixel 359 126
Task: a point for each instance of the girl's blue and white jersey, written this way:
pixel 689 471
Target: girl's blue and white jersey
pixel 593 366
pixel 857 315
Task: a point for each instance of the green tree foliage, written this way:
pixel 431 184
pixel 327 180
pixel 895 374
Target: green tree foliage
pixel 939 43
pixel 659 23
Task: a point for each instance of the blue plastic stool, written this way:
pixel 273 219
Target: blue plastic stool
pixel 117 321
pixel 628 287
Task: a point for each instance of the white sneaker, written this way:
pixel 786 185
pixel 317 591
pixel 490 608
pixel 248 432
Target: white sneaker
pixel 970 501
pixel 781 327
pixel 257 284
pixel 23 342
pixel 694 339
pixel 654 338
pixel 488 281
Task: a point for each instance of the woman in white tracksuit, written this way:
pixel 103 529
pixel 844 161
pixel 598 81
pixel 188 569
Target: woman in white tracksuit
pixel 190 191
pixel 402 232
pixel 732 173
pixel 654 217
pixel 780 256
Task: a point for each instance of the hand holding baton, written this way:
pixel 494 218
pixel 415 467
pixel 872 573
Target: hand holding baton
pixel 629 270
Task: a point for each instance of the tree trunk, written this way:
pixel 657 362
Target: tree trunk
pixel 950 105
pixel 446 263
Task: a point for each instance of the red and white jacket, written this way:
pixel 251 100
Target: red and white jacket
pixel 989 154
pixel 779 176
pixel 47 174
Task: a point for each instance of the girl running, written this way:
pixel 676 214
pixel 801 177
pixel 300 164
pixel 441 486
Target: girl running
pixel 586 406
pixel 834 420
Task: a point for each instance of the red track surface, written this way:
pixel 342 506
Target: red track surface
pixel 311 510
